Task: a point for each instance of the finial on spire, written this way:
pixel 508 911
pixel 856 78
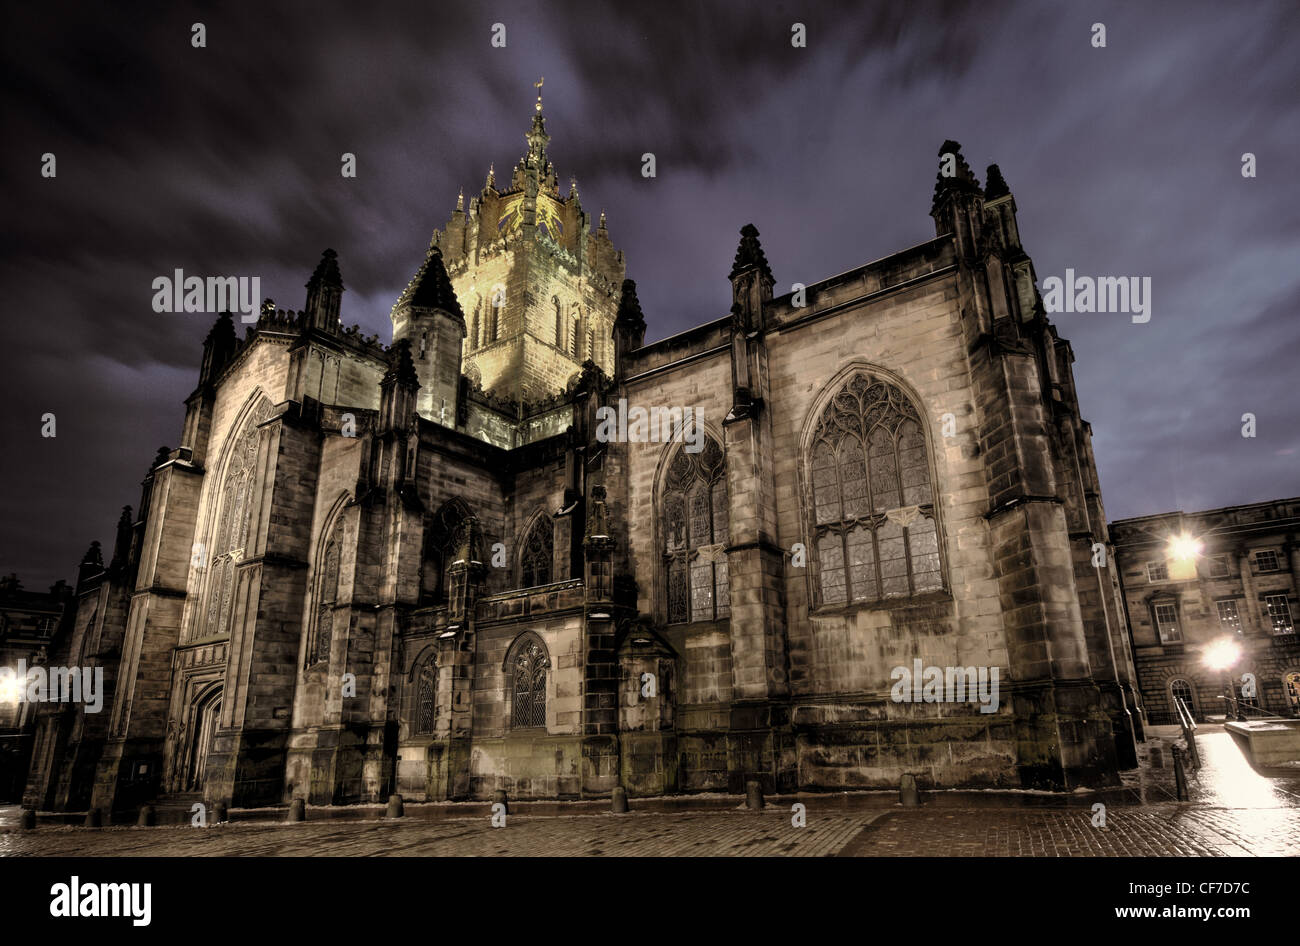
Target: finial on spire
pixel 602 218
pixel 492 175
pixel 997 184
pixel 460 200
pixel 538 85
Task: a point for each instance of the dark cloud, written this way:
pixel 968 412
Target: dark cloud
pixel 226 160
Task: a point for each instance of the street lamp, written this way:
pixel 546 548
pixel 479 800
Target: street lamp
pixel 1180 556
pixel 1221 655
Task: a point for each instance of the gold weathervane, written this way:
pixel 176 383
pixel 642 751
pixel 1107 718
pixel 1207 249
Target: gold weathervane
pixel 538 86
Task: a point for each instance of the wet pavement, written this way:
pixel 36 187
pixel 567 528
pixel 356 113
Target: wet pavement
pixel 1233 811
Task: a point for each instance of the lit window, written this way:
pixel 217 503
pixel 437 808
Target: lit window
pixel 1167 623
pixel 1279 614
pixel 1266 560
pixel 1157 571
pixel 1229 619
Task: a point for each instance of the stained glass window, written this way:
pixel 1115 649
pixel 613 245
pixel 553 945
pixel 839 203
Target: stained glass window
pixel 426 697
pixel 875 532
pixel 537 555
pixel 694 510
pixel 529 665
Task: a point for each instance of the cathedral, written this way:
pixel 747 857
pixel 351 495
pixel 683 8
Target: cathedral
pixel 425 568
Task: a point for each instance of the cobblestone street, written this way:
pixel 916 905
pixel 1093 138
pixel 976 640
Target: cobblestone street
pixel 1234 811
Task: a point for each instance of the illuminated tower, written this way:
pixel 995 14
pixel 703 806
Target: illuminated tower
pixel 539 290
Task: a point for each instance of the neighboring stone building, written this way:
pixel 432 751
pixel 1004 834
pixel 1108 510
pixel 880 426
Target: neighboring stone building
pixel 29 621
pixel 1231 573
pixel 361 573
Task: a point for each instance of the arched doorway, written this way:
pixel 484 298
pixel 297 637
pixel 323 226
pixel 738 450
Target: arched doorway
pixel 202 728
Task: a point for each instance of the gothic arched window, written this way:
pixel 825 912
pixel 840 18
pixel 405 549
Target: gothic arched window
pixel 575 328
pixel 441 535
pixel 527 666
pixel 694 510
pixel 327 594
pixel 537 553
pixel 873 509
pixel 559 322
pixel 426 694
pixel 235 505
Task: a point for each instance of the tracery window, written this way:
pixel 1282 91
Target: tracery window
pixel 442 535
pixel 235 513
pixel 873 508
pixel 537 553
pixel 327 593
pixel 528 665
pixel 695 535
pixel 426 692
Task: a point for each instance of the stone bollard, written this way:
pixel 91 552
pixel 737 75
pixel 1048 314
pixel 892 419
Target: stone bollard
pixel 753 794
pixel 94 819
pixel 1180 775
pixel 148 817
pixel 27 820
pixel 499 798
pixel 395 809
pixel 298 810
pixel 907 792
pixel 220 812
pixel 1157 758
pixel 619 800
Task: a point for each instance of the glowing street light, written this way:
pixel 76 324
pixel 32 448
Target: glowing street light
pixel 1222 654
pixel 1184 548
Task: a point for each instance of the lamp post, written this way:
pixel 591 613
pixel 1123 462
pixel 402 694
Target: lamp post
pixel 1220 656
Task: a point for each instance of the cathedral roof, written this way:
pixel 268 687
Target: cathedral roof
pixel 431 287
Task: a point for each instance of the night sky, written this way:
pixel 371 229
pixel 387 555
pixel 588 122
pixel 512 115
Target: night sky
pixel 225 160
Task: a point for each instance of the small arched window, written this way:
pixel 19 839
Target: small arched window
pixel 694 512
pixel 527 666
pixel 426 695
pixel 559 321
pixel 536 554
pixel 474 341
pixel 875 532
pixel 1180 689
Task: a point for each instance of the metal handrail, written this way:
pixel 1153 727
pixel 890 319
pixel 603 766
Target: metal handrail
pixel 1238 709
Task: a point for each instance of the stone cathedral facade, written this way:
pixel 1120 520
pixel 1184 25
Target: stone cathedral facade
pixel 418 569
